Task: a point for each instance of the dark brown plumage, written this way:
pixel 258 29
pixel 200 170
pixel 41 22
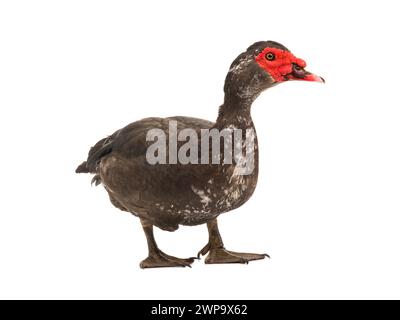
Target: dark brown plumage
pixel 169 195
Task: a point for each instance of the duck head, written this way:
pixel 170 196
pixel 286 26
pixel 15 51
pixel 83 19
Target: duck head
pixel 263 65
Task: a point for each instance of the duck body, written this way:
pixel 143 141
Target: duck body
pixel 169 195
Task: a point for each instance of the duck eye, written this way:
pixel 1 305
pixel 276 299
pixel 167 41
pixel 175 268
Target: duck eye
pixel 270 56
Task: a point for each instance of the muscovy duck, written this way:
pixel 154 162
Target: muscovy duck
pixel 167 195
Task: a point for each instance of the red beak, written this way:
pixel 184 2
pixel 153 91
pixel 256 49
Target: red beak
pixel 312 77
pixel 298 73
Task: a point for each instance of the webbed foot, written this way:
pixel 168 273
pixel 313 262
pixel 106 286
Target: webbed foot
pixel 221 255
pixel 160 259
pixel 218 254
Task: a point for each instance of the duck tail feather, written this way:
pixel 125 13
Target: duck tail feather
pixel 82 168
pixel 96 180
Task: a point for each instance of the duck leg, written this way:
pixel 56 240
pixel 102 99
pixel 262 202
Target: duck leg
pixel 157 258
pixel 218 254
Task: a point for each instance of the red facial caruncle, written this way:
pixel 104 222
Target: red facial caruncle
pixel 283 66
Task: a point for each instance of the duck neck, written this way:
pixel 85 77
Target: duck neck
pixel 235 112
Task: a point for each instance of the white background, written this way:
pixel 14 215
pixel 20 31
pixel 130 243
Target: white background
pixel 327 207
